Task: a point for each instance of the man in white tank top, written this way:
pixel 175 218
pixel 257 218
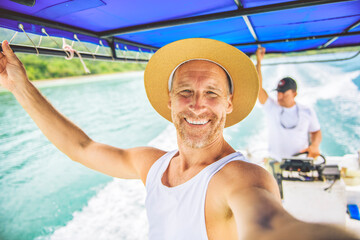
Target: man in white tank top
pixel 205 189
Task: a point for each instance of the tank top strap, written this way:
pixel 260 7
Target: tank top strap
pixel 159 167
pixel 218 165
pixel 209 172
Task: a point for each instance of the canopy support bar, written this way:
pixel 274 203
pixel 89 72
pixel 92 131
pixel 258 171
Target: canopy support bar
pixel 62 53
pixel 250 27
pixel 216 16
pixel 299 39
pixel 314 61
pixel 247 21
pixel 345 31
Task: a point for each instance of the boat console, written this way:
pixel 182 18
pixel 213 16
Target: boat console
pixel 307 169
pixel 307 184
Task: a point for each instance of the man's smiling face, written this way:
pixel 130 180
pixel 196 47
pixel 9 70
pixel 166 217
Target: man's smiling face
pixel 199 101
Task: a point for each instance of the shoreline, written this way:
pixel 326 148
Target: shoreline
pixel 80 79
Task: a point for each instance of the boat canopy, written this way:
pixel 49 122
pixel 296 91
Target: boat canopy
pixel 281 26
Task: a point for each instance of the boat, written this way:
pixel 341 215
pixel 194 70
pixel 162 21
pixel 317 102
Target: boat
pixel 132 31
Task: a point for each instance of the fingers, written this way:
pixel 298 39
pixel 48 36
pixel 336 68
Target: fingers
pixel 2 62
pixel 304 150
pixel 1 50
pixel 8 52
pixel 6 48
pixel 313 155
pixel 262 51
pixel 258 51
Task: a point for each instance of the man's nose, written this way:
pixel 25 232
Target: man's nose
pixel 280 95
pixel 197 104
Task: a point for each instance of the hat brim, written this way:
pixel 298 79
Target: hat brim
pixel 240 68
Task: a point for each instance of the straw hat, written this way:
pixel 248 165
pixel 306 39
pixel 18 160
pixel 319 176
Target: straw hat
pixel 239 67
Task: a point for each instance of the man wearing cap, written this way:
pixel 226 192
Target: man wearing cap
pixel 289 122
pixel 205 189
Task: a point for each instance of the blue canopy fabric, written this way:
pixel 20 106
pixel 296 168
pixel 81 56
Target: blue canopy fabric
pixel 279 25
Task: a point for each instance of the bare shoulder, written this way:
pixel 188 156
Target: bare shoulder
pixel 239 175
pixel 150 153
pixel 234 194
pixel 144 158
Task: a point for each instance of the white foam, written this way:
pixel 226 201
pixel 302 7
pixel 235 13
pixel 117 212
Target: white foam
pixel 166 140
pixel 315 81
pixel 116 212
pixel 332 83
pixel 256 148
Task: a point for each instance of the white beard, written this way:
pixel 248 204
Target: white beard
pixel 198 138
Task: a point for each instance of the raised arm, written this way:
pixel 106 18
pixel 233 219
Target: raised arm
pixel 65 135
pixel 260 53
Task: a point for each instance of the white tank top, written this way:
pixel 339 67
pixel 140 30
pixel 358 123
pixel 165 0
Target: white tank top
pixel 178 212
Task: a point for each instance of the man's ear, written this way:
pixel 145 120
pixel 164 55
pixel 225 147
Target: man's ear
pixel 230 104
pixel 294 93
pixel 169 102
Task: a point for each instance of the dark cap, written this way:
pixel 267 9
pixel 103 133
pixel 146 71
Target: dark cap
pixel 286 84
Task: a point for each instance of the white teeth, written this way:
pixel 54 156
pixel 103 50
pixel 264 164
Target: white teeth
pixel 197 122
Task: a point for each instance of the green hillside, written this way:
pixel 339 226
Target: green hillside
pixel 45 67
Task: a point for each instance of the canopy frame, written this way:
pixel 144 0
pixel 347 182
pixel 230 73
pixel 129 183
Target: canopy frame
pixel 112 39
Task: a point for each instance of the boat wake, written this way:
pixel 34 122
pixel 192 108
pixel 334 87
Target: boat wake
pixel 117 211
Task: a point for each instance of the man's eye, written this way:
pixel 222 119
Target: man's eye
pixel 185 92
pixel 211 93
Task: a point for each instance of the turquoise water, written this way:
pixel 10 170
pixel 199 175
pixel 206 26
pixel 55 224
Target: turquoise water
pixel 40 186
pixel 45 195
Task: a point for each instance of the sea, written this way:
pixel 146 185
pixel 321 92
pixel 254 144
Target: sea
pixel 45 195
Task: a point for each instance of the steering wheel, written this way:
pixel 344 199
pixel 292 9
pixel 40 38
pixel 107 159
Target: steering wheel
pixel 317 162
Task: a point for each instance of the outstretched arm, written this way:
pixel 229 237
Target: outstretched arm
pixel 265 218
pixel 259 214
pixel 260 53
pixel 65 135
